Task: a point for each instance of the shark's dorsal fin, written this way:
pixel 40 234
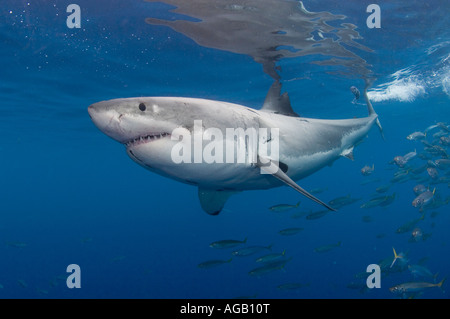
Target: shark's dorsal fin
pixel 278 103
pixel 212 201
pixel 271 168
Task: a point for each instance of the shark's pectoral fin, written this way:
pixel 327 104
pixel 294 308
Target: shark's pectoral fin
pixel 269 167
pixel 212 201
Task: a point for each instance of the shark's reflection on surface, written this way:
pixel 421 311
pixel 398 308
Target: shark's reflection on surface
pixel 269 30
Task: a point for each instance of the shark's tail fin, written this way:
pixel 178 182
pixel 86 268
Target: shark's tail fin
pixel 369 105
pixel 370 108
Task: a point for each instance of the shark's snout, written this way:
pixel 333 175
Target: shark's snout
pixel 95 111
pixel 107 120
pixel 90 110
pixel 96 116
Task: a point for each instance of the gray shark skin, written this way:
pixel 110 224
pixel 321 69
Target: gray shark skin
pixel 145 126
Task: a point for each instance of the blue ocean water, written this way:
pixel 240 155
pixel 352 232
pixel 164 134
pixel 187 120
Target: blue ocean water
pixel 71 195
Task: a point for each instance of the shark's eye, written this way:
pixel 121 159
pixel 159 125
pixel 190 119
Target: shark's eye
pixel 142 107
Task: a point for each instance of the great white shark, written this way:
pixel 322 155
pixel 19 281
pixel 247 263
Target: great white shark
pixel 146 126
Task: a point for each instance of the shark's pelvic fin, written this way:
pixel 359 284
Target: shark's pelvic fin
pixel 348 153
pixel 212 201
pixel 275 171
pixel 278 103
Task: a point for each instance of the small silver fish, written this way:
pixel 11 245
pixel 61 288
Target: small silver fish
pixel 383 188
pixel 342 201
pixel 432 172
pixel 227 243
pixel 410 156
pixel 430 128
pixel 424 198
pixel 416 235
pixel 290 231
pixel 439 134
pixel 318 190
pixel 401 177
pixel 419 189
pixel 269 267
pixel 325 248
pixel 213 263
pixel 355 92
pixel 367 170
pixel 271 257
pixel 247 251
pixel 443 126
pixel 408 226
pixel 442 163
pixel 316 215
pixel 416 136
pixel 414 286
pixel 283 207
pixel 445 140
pixel 379 201
pixel 400 161
pixel 420 271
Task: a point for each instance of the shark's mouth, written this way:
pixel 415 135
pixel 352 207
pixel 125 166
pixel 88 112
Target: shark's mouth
pixel 145 139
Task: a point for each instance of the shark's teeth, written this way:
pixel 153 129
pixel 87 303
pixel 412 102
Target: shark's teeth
pixel 146 138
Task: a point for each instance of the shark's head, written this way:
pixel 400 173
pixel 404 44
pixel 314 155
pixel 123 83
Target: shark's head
pixel 158 132
pixel 144 126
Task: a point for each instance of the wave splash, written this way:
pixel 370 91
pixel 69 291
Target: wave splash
pixel 430 75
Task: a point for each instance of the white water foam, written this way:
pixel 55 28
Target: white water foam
pixel 403 89
pixel 424 78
